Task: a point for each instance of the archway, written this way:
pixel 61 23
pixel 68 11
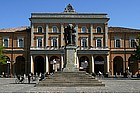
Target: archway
pixel 118 65
pixel 84 64
pixel 99 64
pixel 54 64
pixel 39 65
pixel 20 65
pixel 133 65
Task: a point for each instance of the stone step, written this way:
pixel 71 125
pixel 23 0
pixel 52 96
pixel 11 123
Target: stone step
pixel 70 79
pixel 71 84
pixel 80 82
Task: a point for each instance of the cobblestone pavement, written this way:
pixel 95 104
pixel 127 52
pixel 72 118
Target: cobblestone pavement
pixel 7 85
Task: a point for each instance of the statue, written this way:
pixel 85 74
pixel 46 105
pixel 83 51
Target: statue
pixel 69 35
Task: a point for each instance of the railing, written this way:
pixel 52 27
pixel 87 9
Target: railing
pixel 62 47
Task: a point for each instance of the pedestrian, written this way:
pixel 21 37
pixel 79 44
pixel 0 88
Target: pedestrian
pixel 29 78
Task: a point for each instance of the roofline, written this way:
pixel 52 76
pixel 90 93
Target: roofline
pixel 69 15
pixel 122 29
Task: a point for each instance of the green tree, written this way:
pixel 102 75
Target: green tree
pixel 3 59
pixel 136 54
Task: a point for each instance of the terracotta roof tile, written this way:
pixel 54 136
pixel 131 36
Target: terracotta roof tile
pixel 15 29
pixel 122 29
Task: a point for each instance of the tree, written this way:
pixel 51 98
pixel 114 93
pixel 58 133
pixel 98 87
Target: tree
pixel 3 59
pixel 136 54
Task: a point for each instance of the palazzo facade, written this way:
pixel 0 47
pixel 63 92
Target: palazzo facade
pixel 40 48
pixel 48 44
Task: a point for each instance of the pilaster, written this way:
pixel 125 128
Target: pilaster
pixel 92 60
pixel 46 34
pixel 47 64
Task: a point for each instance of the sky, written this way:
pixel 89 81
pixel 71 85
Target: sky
pixel 122 13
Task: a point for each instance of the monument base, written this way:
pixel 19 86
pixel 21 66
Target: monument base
pixel 70 69
pixel 71 56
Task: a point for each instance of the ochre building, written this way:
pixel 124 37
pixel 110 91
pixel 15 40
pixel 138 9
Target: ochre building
pixel 40 48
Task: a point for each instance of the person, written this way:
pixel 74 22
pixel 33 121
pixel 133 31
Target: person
pixel 42 77
pixel 29 78
pixel 69 35
pixel 3 74
pixel 22 78
pixel 100 73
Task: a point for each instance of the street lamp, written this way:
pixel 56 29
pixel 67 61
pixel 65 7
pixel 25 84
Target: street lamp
pixel 8 68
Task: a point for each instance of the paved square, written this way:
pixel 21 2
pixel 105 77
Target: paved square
pixel 7 85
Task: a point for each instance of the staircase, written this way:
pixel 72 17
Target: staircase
pixel 70 79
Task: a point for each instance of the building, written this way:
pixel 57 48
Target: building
pixel 17 49
pixel 40 48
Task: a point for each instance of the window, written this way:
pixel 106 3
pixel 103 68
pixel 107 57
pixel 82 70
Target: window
pixel 83 29
pixel 54 29
pixel 40 30
pixel 39 42
pixel 5 42
pixel 99 43
pixel 20 42
pixel 118 43
pixel 99 30
pixel 132 43
pixel 84 42
pixel 54 42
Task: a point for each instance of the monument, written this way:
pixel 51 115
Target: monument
pixel 71 76
pixel 70 49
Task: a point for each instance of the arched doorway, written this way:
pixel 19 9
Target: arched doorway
pixel 84 64
pixel 39 65
pixel 54 64
pixel 20 65
pixel 118 65
pixel 133 65
pixel 99 64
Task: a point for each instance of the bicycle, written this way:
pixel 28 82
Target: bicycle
pixel 20 79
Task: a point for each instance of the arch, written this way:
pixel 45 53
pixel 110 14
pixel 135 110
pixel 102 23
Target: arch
pixel 84 64
pixel 99 29
pixel 20 65
pixel 40 29
pixel 84 29
pixel 133 65
pixel 118 65
pixel 54 64
pixel 99 64
pixel 39 65
pixel 54 29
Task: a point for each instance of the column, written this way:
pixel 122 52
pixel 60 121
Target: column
pixel 77 62
pixel 107 64
pixel 47 64
pixel 32 35
pixel 62 62
pixel 32 65
pixel 92 61
pixel 76 40
pixel 112 68
pixel 62 35
pixel 91 35
pixel 75 58
pixel 106 35
pixel 46 35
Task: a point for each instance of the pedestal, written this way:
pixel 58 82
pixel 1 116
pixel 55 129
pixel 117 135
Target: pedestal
pixel 71 56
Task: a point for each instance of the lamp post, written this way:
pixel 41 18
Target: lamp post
pixel 8 68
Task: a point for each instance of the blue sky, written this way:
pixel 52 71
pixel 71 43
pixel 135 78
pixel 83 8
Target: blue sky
pixel 123 13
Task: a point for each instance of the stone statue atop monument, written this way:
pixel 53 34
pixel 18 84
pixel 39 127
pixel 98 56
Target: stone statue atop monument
pixel 69 35
pixel 70 49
